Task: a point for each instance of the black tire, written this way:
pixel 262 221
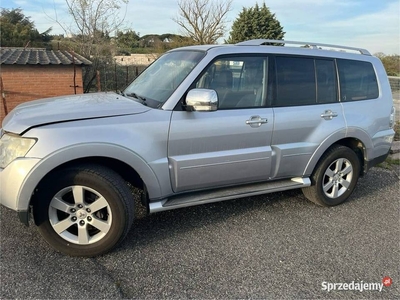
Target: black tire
pixel 334 177
pixel 84 210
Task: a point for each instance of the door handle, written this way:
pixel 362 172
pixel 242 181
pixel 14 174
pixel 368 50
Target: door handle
pixel 256 121
pixel 329 115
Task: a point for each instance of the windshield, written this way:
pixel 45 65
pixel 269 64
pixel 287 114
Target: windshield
pixel 157 83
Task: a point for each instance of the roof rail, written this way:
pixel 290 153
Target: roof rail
pixel 259 42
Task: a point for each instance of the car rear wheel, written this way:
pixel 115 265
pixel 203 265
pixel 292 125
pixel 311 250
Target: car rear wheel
pixel 84 210
pixel 335 177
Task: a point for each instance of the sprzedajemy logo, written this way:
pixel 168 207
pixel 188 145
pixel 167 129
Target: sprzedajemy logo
pixel 357 286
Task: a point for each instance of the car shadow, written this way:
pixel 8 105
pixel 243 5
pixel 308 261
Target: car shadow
pixel 149 229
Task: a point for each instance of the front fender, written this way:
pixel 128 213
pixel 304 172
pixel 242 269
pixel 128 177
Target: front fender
pixel 79 151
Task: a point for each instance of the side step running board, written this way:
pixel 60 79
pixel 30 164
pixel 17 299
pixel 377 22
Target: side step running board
pixel 228 193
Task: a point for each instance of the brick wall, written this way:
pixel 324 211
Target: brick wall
pixel 23 83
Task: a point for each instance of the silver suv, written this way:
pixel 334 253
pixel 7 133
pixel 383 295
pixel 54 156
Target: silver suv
pixel 201 124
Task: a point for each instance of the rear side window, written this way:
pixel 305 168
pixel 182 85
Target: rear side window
pixel 326 81
pixel 305 81
pixel 357 80
pixel 295 81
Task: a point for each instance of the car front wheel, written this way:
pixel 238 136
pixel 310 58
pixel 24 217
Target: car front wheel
pixel 84 210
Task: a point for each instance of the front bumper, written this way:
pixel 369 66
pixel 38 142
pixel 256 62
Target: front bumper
pixel 12 181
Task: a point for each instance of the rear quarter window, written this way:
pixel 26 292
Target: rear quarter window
pixel 357 80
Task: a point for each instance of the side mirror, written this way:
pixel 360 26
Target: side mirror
pixel 202 100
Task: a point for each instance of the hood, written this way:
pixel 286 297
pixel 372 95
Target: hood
pixel 69 108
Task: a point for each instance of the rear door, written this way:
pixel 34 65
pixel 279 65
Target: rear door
pixel 307 111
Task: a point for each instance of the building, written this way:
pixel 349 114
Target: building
pixel 136 59
pixel 29 74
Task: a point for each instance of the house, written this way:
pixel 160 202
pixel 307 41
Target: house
pixel 29 74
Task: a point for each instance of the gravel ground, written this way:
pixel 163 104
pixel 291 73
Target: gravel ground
pixel 272 246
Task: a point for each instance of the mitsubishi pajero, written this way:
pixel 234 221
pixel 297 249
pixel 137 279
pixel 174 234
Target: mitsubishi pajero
pixel 200 124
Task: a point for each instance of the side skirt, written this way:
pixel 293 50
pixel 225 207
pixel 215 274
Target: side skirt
pixel 227 193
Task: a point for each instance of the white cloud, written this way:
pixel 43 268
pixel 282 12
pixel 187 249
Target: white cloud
pixel 21 3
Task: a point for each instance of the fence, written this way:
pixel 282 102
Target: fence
pixel 111 77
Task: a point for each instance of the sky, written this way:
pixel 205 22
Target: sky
pixel 370 24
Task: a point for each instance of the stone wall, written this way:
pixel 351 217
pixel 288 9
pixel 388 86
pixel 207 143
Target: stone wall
pixel 394 83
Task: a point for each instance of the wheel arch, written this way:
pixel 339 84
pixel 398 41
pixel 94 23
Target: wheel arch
pixel 129 165
pixel 127 172
pixel 353 143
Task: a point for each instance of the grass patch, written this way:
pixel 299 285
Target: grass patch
pixel 392 161
pixel 384 165
pixel 389 163
pixel 397 131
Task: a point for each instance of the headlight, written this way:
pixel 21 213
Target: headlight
pixel 13 146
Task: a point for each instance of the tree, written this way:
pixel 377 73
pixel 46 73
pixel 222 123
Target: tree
pixel 255 23
pixel 390 62
pixel 127 40
pixel 204 21
pixel 95 21
pixel 17 30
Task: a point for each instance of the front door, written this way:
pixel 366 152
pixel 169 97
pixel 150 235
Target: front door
pixel 228 146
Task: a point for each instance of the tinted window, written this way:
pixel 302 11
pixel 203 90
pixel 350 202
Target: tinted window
pixel 295 81
pixel 326 81
pixel 357 80
pixel 238 81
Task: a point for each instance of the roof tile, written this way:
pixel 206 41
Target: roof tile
pixel 22 56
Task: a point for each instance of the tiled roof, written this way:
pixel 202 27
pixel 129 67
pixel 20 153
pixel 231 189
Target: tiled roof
pixel 22 56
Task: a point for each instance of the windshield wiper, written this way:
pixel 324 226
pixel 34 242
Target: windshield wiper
pixel 134 95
